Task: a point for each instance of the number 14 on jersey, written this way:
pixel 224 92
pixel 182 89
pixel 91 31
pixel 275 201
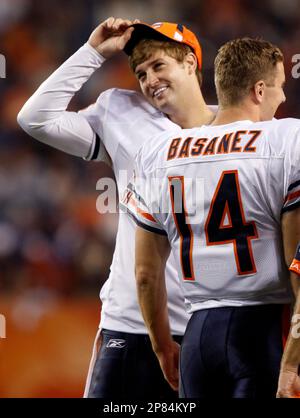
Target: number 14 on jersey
pixel 226 204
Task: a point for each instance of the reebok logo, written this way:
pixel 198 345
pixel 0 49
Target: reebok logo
pixel 116 343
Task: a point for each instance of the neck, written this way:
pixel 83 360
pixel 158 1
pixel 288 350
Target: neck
pixel 235 113
pixel 192 112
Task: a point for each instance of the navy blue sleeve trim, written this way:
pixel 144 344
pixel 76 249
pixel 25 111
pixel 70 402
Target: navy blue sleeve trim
pixel 131 187
pixel 293 185
pixel 144 226
pixel 96 149
pixel 291 207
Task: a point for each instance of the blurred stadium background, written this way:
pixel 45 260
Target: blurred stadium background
pixel 55 248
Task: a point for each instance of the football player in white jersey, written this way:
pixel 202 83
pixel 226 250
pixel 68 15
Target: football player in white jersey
pixel 225 198
pixel 167 63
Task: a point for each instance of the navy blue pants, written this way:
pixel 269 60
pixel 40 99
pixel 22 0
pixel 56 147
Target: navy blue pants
pixel 232 353
pixel 127 368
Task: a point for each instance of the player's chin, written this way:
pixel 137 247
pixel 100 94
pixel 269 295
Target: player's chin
pixel 162 104
pixel 161 100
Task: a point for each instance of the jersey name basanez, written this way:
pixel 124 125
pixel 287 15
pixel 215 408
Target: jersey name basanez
pixel 221 193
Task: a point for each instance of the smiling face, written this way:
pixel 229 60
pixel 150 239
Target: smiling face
pixel 164 81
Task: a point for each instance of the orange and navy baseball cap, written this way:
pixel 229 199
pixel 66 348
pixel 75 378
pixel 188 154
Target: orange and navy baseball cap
pixel 164 31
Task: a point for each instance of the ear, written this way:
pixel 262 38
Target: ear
pixel 259 91
pixel 191 61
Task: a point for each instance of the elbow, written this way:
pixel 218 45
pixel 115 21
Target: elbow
pixel 23 119
pixel 28 118
pixel 143 277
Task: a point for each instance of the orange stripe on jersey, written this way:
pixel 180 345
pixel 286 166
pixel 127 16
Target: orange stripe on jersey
pixel 146 215
pixel 292 196
pixel 140 211
pixel 295 266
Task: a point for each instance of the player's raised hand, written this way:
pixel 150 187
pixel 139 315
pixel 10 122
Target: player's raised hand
pixel 111 36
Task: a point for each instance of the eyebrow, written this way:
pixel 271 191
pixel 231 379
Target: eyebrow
pixel 137 73
pixel 153 62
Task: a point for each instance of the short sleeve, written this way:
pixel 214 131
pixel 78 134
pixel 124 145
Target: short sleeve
pixel 140 199
pixel 292 173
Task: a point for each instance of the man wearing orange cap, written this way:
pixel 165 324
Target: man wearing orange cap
pixel 166 58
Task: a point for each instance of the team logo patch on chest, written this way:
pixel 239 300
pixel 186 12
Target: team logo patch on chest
pixel 116 343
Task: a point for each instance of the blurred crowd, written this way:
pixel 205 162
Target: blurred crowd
pixel 51 236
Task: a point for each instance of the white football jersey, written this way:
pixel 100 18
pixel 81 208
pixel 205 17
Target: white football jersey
pixel 218 194
pixel 123 120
